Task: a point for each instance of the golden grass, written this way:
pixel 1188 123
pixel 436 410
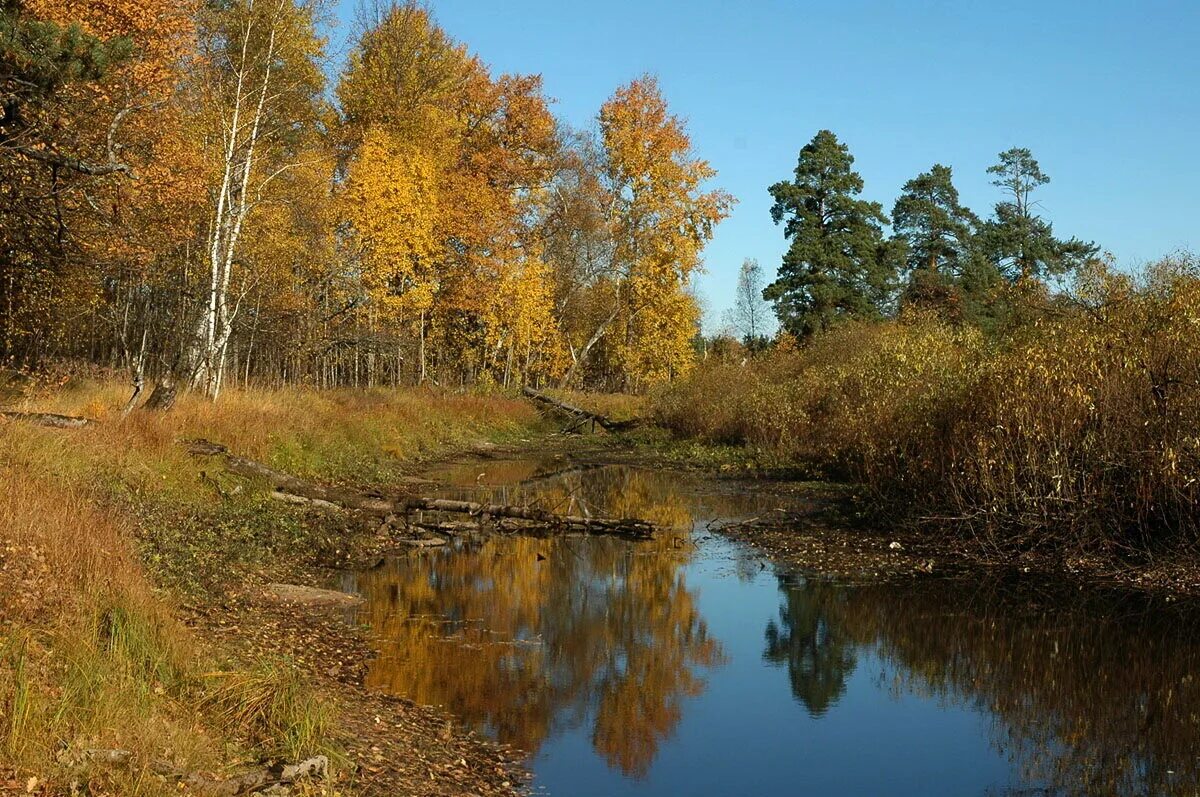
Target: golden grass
pixel 615 406
pixel 91 654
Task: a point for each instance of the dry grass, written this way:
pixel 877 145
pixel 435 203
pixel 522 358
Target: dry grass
pixel 615 406
pixel 271 706
pixel 91 653
pixel 1079 433
pixel 89 656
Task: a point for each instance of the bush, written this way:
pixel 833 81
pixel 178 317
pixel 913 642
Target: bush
pixel 1079 431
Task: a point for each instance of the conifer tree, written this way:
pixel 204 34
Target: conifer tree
pixel 839 264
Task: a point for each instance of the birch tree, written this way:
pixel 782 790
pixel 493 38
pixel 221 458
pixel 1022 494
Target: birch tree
pixel 260 81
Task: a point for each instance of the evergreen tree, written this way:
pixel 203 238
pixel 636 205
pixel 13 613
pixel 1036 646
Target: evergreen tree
pixel 839 264
pixel 939 236
pixel 37 59
pixel 1017 240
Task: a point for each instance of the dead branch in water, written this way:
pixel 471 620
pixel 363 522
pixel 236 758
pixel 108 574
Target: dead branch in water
pixel 581 416
pixel 294 490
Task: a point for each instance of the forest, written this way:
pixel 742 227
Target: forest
pixel 186 198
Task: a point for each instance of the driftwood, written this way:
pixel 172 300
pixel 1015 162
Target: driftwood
pixel 293 490
pixel 257 780
pixel 580 415
pixel 51 419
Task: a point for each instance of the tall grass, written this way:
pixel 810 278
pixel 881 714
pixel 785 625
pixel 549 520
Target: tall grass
pixel 1078 432
pixel 271 705
pixel 91 652
pixel 90 657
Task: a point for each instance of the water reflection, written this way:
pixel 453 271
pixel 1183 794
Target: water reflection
pixel 522 635
pixel 1089 692
pixel 818 655
pixel 666 660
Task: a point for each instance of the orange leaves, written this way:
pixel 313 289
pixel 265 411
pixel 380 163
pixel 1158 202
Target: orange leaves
pixel 439 193
pixel 162 31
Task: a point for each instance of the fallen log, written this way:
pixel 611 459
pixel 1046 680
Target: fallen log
pixel 288 487
pixel 580 415
pixel 625 527
pixel 294 490
pixel 51 419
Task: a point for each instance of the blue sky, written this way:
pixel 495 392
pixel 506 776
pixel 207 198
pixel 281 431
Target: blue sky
pixel 1106 94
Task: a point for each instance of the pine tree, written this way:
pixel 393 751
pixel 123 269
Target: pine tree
pixel 1020 242
pixel 938 234
pixel 839 264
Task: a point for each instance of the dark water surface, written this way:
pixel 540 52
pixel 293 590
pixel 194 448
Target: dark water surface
pixel 689 666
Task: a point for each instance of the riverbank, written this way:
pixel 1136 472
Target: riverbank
pixel 139 648
pixel 1071 437
pixel 830 529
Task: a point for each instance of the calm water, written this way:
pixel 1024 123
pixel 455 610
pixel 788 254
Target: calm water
pixel 689 666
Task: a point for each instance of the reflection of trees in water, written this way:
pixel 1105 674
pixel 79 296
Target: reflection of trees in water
pixel 668 498
pixel 1090 694
pixel 818 657
pixel 523 634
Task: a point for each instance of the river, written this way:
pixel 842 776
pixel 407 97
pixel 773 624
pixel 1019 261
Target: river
pixel 689 665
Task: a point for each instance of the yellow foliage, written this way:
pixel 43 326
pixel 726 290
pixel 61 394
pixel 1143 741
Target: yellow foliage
pixel 662 225
pixel 391 201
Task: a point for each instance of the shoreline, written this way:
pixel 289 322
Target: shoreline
pixel 822 539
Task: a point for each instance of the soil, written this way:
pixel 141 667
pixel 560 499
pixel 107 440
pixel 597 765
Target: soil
pixel 394 746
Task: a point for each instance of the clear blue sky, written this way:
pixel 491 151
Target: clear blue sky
pixel 1106 94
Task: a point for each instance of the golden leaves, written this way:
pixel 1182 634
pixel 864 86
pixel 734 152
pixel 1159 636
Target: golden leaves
pixel 663 221
pixel 438 197
pixel 391 201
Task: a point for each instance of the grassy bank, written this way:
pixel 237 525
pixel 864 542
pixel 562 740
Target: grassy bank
pixel 105 531
pixel 1076 432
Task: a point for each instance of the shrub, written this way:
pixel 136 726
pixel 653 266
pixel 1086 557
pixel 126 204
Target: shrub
pixel 1078 431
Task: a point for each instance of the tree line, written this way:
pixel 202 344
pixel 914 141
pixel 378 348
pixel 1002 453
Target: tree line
pixel 182 195
pixel 941 257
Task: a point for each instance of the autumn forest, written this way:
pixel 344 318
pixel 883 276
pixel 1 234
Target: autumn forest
pixel 186 197
pixel 366 429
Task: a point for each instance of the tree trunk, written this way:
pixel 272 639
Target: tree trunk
pixel 162 398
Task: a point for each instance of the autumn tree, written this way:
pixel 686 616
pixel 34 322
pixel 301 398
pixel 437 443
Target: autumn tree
pixel 838 264
pixel 445 166
pixel 258 86
pixel 100 178
pixel 661 217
